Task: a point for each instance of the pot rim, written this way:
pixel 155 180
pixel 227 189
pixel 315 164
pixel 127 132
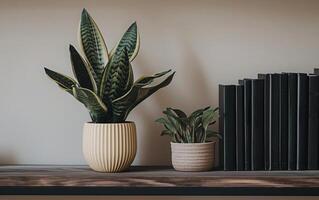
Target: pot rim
pixel 112 123
pixel 198 144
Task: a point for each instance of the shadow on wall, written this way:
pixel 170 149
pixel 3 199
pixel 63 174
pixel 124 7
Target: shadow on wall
pixel 7 157
pixel 192 88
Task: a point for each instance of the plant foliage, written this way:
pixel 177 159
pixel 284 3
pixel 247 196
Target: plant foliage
pixel 189 129
pixel 104 81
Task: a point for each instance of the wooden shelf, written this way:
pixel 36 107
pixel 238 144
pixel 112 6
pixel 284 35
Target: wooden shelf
pixel 80 180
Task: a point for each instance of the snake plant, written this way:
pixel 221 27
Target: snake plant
pixel 189 129
pixel 104 80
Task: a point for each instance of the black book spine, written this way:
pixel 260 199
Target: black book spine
pixel 257 130
pixel 313 124
pixel 274 121
pixel 266 78
pixel 247 120
pixel 292 120
pixel 283 122
pixel 229 126
pixel 240 142
pixel 221 126
pixel 316 71
pixel 302 121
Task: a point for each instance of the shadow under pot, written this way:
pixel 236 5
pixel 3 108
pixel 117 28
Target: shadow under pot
pixel 193 157
pixel 109 147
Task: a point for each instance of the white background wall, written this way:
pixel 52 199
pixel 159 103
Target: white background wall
pixel 206 41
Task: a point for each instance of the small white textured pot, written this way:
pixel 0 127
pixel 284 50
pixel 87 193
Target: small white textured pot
pixel 193 157
pixel 109 147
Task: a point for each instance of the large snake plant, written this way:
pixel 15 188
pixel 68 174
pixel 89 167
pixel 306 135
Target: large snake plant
pixel 105 81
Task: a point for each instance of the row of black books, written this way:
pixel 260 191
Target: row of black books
pixel 270 123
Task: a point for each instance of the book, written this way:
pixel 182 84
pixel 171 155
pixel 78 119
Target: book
pixel 240 139
pixel 313 123
pixel 292 120
pixel 283 121
pixel 221 127
pixel 228 118
pixel 302 121
pixel 316 71
pixel 274 107
pixel 266 78
pixel 247 121
pixel 257 121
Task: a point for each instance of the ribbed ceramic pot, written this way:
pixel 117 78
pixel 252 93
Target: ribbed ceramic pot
pixel 109 147
pixel 193 157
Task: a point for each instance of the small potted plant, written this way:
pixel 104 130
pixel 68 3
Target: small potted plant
pixel 105 85
pixel 191 141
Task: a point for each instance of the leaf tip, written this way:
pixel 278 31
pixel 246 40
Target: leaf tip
pixel 133 26
pixel 84 11
pixel 47 70
pixel 84 15
pixel 174 72
pixel 71 47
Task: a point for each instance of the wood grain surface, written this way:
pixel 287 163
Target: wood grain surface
pixel 20 178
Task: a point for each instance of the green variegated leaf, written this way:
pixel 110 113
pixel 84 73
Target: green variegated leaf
pixel 140 91
pixel 93 44
pixel 116 77
pixel 130 80
pixel 90 100
pixel 63 81
pixel 208 117
pixel 198 113
pixel 130 41
pixel 82 70
pixel 166 132
pixel 169 126
pixel 210 134
pixel 180 113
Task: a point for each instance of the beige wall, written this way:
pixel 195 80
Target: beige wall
pixel 206 41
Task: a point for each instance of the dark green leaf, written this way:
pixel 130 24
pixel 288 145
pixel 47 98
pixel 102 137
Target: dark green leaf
pixel 100 117
pixel 117 77
pixel 63 81
pixel 167 132
pixel 180 113
pixel 82 70
pixel 140 91
pixel 93 44
pixel 130 41
pixel 168 125
pixel 90 100
pixel 208 117
pixel 210 133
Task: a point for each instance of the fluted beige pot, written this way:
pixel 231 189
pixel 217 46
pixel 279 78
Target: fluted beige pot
pixel 109 147
pixel 193 157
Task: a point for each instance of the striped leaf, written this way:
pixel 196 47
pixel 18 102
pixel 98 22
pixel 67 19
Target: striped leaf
pixel 63 81
pixel 115 78
pixel 93 44
pixel 90 100
pixel 82 70
pixel 130 41
pixel 141 89
pixel 130 80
